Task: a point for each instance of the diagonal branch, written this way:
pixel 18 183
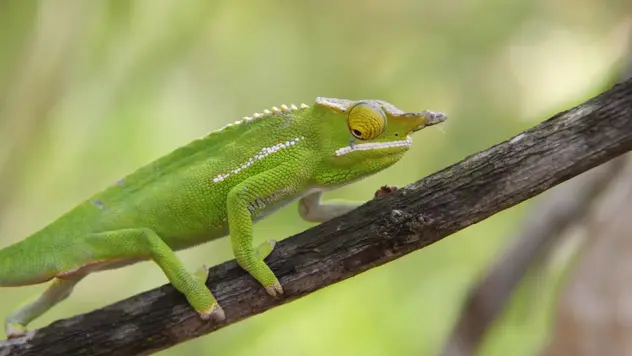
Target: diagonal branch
pixel 383 230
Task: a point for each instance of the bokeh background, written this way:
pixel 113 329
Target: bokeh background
pixel 91 90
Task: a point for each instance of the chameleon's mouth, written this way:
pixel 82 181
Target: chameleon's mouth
pixel 373 146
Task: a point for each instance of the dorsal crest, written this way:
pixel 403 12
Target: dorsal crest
pixel 273 111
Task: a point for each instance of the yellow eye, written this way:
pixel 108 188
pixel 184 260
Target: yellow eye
pixel 366 122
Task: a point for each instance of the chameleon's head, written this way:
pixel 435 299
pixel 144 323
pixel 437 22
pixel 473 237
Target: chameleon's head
pixel 367 136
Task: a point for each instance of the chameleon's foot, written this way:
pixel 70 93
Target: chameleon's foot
pixel 258 269
pixel 275 289
pixel 385 190
pixel 265 249
pixel 15 330
pixel 216 313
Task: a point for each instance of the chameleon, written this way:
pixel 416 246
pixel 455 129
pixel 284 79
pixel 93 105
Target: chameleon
pixel 215 186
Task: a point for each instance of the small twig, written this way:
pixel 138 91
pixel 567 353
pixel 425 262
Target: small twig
pixel 381 231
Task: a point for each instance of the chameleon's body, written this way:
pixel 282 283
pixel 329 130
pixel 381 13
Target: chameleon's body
pixel 230 178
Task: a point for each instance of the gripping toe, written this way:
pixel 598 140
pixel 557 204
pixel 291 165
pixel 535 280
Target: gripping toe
pixel 15 330
pixel 216 314
pixel 275 290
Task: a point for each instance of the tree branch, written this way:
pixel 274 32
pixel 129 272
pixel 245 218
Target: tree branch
pixel 376 233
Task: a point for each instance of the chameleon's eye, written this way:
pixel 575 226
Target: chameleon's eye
pixel 366 122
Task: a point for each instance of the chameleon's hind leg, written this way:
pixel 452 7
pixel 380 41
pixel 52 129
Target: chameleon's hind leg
pixel 146 244
pixel 57 291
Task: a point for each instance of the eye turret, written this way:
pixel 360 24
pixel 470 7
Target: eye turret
pixel 366 122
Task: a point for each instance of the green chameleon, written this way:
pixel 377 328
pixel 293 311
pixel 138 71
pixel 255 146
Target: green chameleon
pixel 215 186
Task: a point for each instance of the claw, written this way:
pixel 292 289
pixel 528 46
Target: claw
pixel 216 313
pixel 15 331
pixel 275 290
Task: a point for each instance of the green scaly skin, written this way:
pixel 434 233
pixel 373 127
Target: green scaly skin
pixel 232 177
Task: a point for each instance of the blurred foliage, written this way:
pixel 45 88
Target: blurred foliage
pixel 91 90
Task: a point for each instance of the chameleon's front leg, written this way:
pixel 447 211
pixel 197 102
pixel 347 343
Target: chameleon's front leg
pixel 312 208
pixel 243 202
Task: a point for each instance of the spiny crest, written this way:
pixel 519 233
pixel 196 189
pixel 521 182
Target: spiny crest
pixel 275 110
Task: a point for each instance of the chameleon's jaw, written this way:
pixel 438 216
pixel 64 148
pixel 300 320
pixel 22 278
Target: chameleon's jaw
pixel 374 146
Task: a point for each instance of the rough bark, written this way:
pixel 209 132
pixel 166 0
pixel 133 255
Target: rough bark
pixel 383 230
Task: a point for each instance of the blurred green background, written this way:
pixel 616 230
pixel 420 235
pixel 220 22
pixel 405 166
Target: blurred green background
pixel 91 90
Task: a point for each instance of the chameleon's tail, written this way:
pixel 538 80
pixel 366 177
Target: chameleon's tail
pixel 22 264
